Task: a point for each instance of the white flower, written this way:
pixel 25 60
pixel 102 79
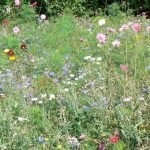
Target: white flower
pixel 66 90
pixel 34 99
pixel 99 45
pixel 99 58
pixel 43 17
pixel 21 119
pixel 127 99
pixel 141 98
pixel 51 97
pixel 101 22
pixel 76 79
pixel 43 95
pixel 40 102
pixel 71 75
pixel 87 57
pixel 92 59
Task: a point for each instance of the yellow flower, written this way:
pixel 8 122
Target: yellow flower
pixel 12 58
pixel 59 146
pixel 46 139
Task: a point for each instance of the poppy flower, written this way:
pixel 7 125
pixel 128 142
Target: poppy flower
pixel 5 22
pixel 23 46
pixel 113 139
pixel 10 53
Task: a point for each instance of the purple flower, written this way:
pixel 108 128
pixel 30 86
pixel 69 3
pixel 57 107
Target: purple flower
pixel 91 84
pixel 84 91
pixel 94 104
pixel 56 80
pixel 1 86
pixel 101 146
pixel 41 139
pixel 86 107
pixel 148 67
pixel 51 74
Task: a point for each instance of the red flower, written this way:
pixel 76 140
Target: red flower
pixel 113 139
pixel 23 46
pixel 10 53
pixel 33 4
pixel 5 22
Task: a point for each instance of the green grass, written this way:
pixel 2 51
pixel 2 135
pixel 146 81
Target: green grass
pixel 52 47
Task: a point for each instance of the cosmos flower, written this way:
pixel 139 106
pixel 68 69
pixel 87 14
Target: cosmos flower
pixel 116 43
pixel 113 139
pixel 5 22
pixel 124 27
pixel 16 29
pixel 74 142
pixel 101 146
pixel 124 68
pixel 33 4
pixel 101 37
pixel 51 97
pixel 82 136
pixel 148 28
pixel 136 27
pixel 43 17
pixel 17 3
pixel 111 30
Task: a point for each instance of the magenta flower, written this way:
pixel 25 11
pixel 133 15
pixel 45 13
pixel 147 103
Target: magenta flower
pixel 116 43
pixel 124 68
pixel 136 27
pixel 16 29
pixel 101 37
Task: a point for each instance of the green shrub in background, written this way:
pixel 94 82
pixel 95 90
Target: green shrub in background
pixel 77 7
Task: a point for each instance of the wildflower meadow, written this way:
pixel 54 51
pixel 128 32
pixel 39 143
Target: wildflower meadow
pixel 74 83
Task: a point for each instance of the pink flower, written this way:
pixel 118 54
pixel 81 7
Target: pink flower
pixel 124 68
pixel 33 4
pixel 111 30
pixel 101 37
pixel 16 29
pixel 136 27
pixel 116 43
pixel 17 3
pixel 82 136
pixel 82 39
pixel 124 27
pixel 148 29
